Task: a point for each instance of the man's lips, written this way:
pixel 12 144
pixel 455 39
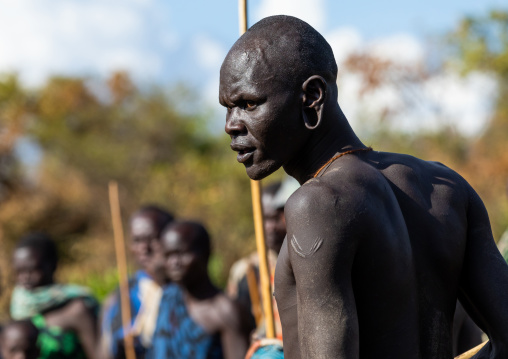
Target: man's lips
pixel 175 274
pixel 244 152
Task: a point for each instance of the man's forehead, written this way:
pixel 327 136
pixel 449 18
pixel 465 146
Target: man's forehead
pixel 244 63
pixel 142 225
pixel 26 253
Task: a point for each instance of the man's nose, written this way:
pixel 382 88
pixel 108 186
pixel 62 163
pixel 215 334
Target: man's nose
pixel 23 277
pixel 234 124
pixel 173 261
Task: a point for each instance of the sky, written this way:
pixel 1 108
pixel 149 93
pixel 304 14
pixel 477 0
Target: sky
pixel 165 41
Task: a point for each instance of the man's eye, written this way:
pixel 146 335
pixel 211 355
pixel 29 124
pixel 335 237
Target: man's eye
pixel 250 104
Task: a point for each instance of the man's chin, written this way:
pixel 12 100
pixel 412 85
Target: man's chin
pixel 258 172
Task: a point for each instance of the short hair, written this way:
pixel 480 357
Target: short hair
pixel 160 216
pixel 42 244
pixel 299 50
pixel 195 232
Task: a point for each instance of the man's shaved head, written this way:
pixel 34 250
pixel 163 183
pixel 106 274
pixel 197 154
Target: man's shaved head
pixel 291 47
pixel 275 82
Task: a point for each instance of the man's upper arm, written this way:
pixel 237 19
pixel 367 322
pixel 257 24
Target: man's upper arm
pixel 233 333
pixel 322 241
pixel 484 278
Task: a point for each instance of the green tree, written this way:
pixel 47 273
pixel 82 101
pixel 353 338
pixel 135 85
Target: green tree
pixel 139 138
pixel 480 43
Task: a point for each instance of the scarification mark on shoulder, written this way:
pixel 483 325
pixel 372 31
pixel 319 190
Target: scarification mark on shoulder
pixel 298 249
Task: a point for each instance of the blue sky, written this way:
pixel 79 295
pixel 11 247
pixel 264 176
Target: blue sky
pixel 165 41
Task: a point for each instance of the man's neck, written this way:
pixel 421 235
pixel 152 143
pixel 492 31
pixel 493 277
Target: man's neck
pixel 158 277
pixel 200 289
pixel 335 136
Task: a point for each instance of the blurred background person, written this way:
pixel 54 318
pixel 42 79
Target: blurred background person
pixel 243 283
pixel 18 340
pixel 196 320
pixel 64 314
pixel 145 286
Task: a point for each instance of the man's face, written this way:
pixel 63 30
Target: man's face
pixel 275 226
pixel 30 269
pixel 183 261
pixel 143 234
pixel 262 112
pixel 18 344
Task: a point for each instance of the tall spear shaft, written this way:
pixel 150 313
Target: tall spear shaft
pixel 264 272
pixel 121 261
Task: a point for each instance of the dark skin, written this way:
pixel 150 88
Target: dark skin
pixel 466 334
pixel 33 271
pixel 146 249
pixel 18 341
pixel 380 245
pixel 186 265
pixel 145 246
pixel 275 227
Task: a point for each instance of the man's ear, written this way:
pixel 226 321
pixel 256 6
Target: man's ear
pixel 314 96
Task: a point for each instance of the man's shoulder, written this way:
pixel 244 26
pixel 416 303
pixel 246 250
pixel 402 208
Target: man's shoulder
pixel 343 187
pixel 414 164
pixel 227 311
pixel 428 177
pixel 320 209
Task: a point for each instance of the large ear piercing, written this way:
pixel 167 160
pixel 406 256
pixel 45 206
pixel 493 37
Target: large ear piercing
pixel 312 124
pixel 317 84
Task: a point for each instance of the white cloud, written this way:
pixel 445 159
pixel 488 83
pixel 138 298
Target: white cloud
pixel 410 103
pixel 344 42
pixel 466 102
pixel 75 37
pixel 401 49
pixel 312 12
pixel 209 53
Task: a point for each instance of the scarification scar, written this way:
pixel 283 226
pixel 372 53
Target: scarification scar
pixel 298 249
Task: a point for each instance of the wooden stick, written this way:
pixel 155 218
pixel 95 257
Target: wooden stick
pixel 264 273
pixel 242 15
pixel 253 285
pixel 469 354
pixel 121 262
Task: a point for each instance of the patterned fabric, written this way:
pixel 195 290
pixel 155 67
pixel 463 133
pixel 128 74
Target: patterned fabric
pixel 177 336
pixel 145 296
pixel 269 352
pixel 54 343
pixel 266 349
pixel 28 303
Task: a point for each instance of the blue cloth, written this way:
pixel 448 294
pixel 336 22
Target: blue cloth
pixel 177 336
pixel 112 321
pixel 269 352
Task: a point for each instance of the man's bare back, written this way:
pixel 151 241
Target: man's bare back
pixel 379 246
pixel 400 226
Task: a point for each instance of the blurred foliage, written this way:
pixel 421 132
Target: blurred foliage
pixel 157 154
pixel 477 44
pixel 90 132
pixel 481 44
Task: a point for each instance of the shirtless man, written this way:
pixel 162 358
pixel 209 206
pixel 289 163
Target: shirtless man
pixel 145 286
pixel 379 245
pixel 196 320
